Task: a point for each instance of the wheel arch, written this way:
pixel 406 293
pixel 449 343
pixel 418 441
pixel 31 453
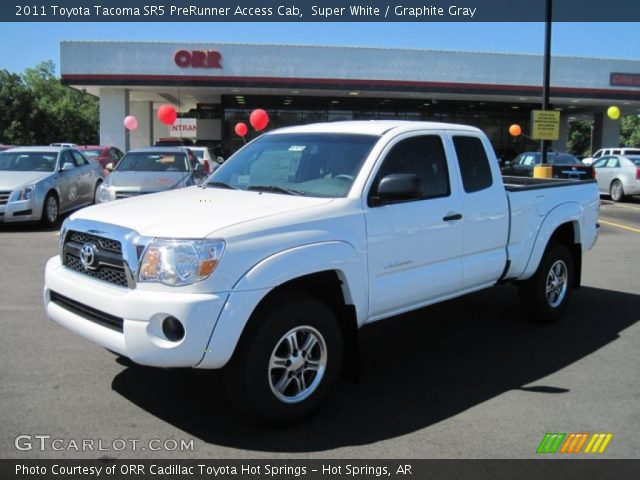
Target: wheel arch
pixel 562 225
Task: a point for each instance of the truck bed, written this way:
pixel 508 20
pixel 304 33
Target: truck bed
pixel 519 184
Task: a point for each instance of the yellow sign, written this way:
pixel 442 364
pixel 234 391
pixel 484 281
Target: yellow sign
pixel 545 124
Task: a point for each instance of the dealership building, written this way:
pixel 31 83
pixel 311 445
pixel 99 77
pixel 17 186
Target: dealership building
pixel 215 85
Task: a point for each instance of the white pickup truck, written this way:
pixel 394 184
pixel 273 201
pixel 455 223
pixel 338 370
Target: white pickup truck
pixel 303 236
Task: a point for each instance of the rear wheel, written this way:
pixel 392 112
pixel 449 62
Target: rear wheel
pixel 286 361
pixel 616 191
pixel 50 210
pixel 544 297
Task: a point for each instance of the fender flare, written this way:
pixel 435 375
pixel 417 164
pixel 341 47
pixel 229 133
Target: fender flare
pixel 570 212
pixel 339 256
pixel 343 258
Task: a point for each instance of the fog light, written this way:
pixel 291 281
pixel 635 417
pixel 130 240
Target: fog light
pixel 173 329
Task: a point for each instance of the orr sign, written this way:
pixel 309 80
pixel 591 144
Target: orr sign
pixel 198 59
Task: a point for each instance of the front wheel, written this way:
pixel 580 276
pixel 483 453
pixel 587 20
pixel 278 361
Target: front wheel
pixel 286 361
pixel 616 191
pixel 544 297
pixel 50 210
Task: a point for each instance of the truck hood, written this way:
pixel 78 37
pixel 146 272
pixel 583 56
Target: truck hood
pixel 15 180
pixel 194 212
pixel 146 181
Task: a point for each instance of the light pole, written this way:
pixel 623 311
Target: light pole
pixel 546 73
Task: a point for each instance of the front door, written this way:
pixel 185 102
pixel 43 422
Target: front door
pixel 414 247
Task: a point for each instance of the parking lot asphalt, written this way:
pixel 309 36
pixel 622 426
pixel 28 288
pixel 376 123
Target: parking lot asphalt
pixel 465 379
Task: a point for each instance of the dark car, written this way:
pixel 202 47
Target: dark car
pixel 563 165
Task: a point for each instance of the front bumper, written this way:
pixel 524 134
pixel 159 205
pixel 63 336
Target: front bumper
pixel 142 312
pixel 23 211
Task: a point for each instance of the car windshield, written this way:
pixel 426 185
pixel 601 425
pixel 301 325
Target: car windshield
pixel 314 164
pixel 28 161
pixel 93 153
pixel 153 162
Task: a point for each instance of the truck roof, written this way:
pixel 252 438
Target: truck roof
pixel 373 127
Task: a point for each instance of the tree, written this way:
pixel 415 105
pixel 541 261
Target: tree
pixel 630 131
pixel 35 108
pixel 579 137
pixel 17 110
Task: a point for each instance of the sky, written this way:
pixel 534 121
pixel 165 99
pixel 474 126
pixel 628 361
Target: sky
pixel 23 45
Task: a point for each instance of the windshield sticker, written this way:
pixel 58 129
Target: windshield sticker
pixel 297 148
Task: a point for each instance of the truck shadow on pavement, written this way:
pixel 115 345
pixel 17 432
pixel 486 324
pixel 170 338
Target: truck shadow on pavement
pixel 417 369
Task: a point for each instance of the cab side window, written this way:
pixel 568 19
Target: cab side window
pixel 474 163
pixel 422 156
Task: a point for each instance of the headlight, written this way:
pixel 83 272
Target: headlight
pixel 25 194
pixel 103 194
pixel 180 262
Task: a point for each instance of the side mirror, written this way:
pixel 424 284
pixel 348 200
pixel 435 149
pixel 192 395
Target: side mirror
pixel 398 187
pixel 67 166
pixel 220 160
pixel 507 163
pixel 109 166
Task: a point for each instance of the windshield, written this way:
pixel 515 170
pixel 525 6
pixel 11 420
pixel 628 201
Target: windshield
pixel 314 164
pixel 92 153
pixel 28 161
pixel 153 162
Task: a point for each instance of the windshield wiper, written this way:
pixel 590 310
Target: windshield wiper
pixel 219 185
pixel 275 189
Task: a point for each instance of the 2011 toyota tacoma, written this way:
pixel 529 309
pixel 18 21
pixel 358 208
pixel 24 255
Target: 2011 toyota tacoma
pixel 303 236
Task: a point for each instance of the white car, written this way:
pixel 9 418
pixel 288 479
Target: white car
pixel 302 237
pixel 618 176
pixel 610 151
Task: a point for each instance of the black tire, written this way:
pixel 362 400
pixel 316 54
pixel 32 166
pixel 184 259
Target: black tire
pixel 95 192
pixel 536 304
pixel 249 377
pixel 616 191
pixel 48 219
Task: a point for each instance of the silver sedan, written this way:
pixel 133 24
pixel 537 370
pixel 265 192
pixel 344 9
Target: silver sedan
pixel 618 176
pixel 40 183
pixel 151 170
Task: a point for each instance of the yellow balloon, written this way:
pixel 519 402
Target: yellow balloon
pixel 613 112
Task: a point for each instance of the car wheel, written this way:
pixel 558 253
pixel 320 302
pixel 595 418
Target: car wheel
pixel 616 191
pixel 96 193
pixel 286 361
pixel 545 296
pixel 50 210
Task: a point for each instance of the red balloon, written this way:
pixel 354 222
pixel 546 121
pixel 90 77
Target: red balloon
pixel 241 129
pixel 167 114
pixel 259 119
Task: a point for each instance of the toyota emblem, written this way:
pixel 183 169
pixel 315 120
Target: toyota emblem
pixel 88 255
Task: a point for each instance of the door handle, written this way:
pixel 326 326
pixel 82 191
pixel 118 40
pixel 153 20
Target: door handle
pixel 452 217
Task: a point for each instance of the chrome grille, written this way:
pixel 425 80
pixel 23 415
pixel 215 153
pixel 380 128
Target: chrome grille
pixel 4 197
pixel 106 243
pixel 110 264
pixel 112 275
pixel 120 195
